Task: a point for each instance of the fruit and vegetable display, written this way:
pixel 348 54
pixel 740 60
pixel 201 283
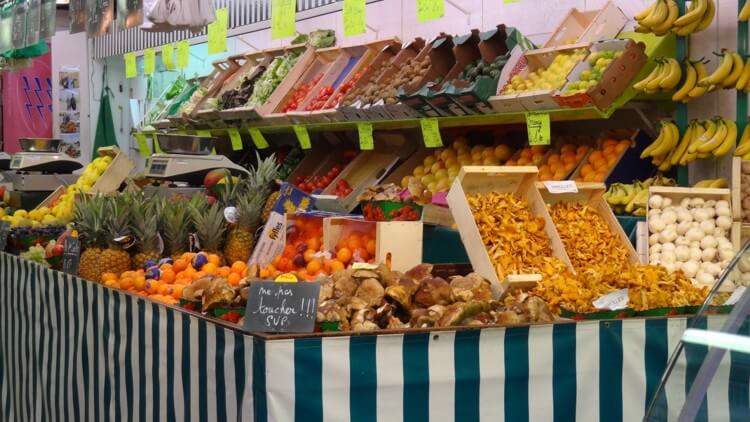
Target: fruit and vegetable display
pixel 300 93
pixel 366 93
pixel 703 139
pixel 530 156
pixel 599 62
pixel 386 203
pixel 664 78
pixel 543 78
pixel 271 78
pixel 663 17
pixel 632 198
pixel 320 182
pixel 600 162
pixel 559 165
pixel 237 97
pixel 480 68
pixel 411 72
pixel 745 191
pixel 691 235
pixel 320 38
pixel 161 103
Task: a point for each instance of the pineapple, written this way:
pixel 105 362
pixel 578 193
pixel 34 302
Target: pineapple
pixel 146 217
pixel 209 225
pixel 175 226
pixel 100 220
pixel 115 258
pixel 268 207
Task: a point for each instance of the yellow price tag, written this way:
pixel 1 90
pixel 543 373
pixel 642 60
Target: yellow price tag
pixel 538 128
pixel 366 141
pixel 131 71
pixel 511 1
pixel 354 17
pixel 235 138
pixel 167 56
pixel 258 139
pixel 149 61
pixel 431 132
pixel 157 147
pixel 143 148
pixel 302 136
pixel 283 18
pixel 429 10
pixel 217 32
pixel 183 54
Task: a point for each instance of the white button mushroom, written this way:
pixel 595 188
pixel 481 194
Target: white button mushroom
pixel 655 201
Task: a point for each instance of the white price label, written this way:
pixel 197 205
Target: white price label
pixel 736 295
pixel 562 186
pixel 231 215
pixel 613 301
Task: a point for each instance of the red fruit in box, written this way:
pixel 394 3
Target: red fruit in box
pixel 213 177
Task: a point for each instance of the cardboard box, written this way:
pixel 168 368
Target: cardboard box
pixel 114 176
pixel 587 27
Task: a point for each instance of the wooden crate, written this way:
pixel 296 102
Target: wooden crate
pixel 248 66
pixel 590 26
pixel 397 242
pixel 620 135
pixel 223 69
pixel 485 179
pixel 591 194
pixel 50 200
pixel 736 187
pixel 119 170
pixel 304 62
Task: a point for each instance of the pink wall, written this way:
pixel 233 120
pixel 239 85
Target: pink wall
pixel 27 103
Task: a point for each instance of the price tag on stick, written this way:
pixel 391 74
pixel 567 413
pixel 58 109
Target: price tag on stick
pixel 354 17
pixel 183 54
pixel 217 32
pixel 258 139
pixel 71 254
pixel 366 141
pixel 235 138
pixel 538 128
pixel 431 132
pixel 143 148
pixel 4 232
pixel 303 137
pixel 149 61
pixel 131 71
pixel 167 56
pixel 282 307
pixel 283 18
pixel 428 10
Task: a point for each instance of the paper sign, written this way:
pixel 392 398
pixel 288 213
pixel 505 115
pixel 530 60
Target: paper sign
pixel 71 255
pixel 4 232
pixel 149 61
pixel 282 307
pixel 613 301
pixel 183 54
pixel 366 142
pixel 203 133
pixel 167 56
pixel 428 10
pixel 217 32
pixel 354 17
pixel 157 147
pixel 302 136
pixel 511 1
pixel 235 138
pixel 736 295
pixel 537 127
pixel 130 69
pixel 143 148
pixel 431 132
pixel 258 139
pixel 562 186
pixel 283 17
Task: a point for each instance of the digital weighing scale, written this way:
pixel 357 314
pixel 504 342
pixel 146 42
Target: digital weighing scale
pixel 187 159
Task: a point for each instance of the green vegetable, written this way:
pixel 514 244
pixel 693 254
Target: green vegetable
pixel 271 78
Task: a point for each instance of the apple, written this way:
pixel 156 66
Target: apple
pixel 213 177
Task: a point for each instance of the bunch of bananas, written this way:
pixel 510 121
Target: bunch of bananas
pixel 665 77
pixel 743 148
pixel 712 183
pixel 732 73
pixel 661 150
pixel 662 16
pixel 690 90
pixel 702 139
pixel 631 198
pixel 744 12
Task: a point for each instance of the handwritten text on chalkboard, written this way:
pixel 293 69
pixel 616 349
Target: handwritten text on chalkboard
pixel 282 307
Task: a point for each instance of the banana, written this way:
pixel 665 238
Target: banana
pixel 683 145
pixel 672 15
pixel 693 15
pixel 667 163
pixel 657 15
pixel 744 13
pixel 718 138
pixel 703 183
pixel 673 75
pixel 738 65
pixel 645 12
pixel 729 141
pixel 708 16
pixel 641 85
pixel 629 194
pixel 698 131
pixel 744 146
pixel 721 72
pixel 654 84
pixel 720 183
pixel 686 30
pixel 670 141
pixel 711 128
pixel 746 157
pixel 659 139
pixel 691 78
pixel 702 72
pixel 745 77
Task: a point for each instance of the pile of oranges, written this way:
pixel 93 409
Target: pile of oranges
pixel 558 165
pixel 529 156
pixel 166 284
pixel 601 161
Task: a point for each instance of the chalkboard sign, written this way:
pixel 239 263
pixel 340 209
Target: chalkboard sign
pixel 4 232
pixel 71 255
pixel 282 307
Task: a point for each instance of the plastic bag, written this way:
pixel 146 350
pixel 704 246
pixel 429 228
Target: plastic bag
pixel 171 15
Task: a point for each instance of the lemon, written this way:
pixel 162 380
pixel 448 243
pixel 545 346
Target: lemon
pixel 21 214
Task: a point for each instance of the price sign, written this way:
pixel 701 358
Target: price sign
pixel 71 254
pixel 149 61
pixel 428 10
pixel 143 148
pixel 366 142
pixel 562 186
pixel 282 307
pixel 235 138
pixel 511 1
pixel 354 17
pixel 302 136
pixel 613 301
pixel 4 232
pixel 157 147
pixel 217 32
pixel 283 17
pixel 537 127
pixel 431 132
pixel 203 133
pixel 131 71
pixel 258 139
pixel 167 56
pixel 183 54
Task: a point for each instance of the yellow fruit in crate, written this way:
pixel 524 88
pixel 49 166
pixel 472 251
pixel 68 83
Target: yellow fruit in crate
pixel 436 166
pixel 503 152
pixel 488 152
pixel 429 161
pixel 441 174
pixel 476 156
pixel 419 171
pixel 432 187
pixel 49 220
pixel 477 149
pixel 2 212
pixel 73 189
pixel 107 159
pixel 44 210
pixel 443 186
pixel 21 214
pixel 405 181
pixel 491 161
pixel 450 162
pixel 426 180
pixel 448 154
pixel 101 166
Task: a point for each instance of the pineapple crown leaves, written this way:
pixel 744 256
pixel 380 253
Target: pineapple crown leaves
pixel 263 173
pixel 146 215
pixel 175 225
pixel 89 218
pixel 209 225
pixel 117 219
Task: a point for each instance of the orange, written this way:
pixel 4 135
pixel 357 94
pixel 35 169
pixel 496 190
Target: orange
pixel 165 289
pixel 337 265
pixel 284 265
pixel 569 157
pixel 224 271
pixel 586 170
pixel 182 281
pixel 109 276
pixel 596 155
pixel 568 148
pixel 510 163
pixel 344 255
pixel 165 267
pixel 314 266
pixel 546 168
pixel 189 272
pixel 612 160
pixel 167 276
pixel 199 274
pixel 289 251
pixel 354 242
pixel 582 149
pixel 152 287
pixel 370 247
pixel 599 163
pixel 239 266
pixel 126 283
pixel 601 176
pixel 554 158
pixel 271 269
pixel 591 177
pixel 214 259
pixel 569 166
pixel 537 158
pixel 526 153
pixel 210 268
pixel 234 279
pixel 622 146
pixel 187 256
pixel 177 291
pixel 139 283
pixel 560 174
pixel 523 161
pixel 362 254
pixel 313 243
pixel 180 265
pixel 538 149
pixel 308 255
pixel 264 273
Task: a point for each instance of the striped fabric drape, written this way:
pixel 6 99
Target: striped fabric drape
pixel 77 351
